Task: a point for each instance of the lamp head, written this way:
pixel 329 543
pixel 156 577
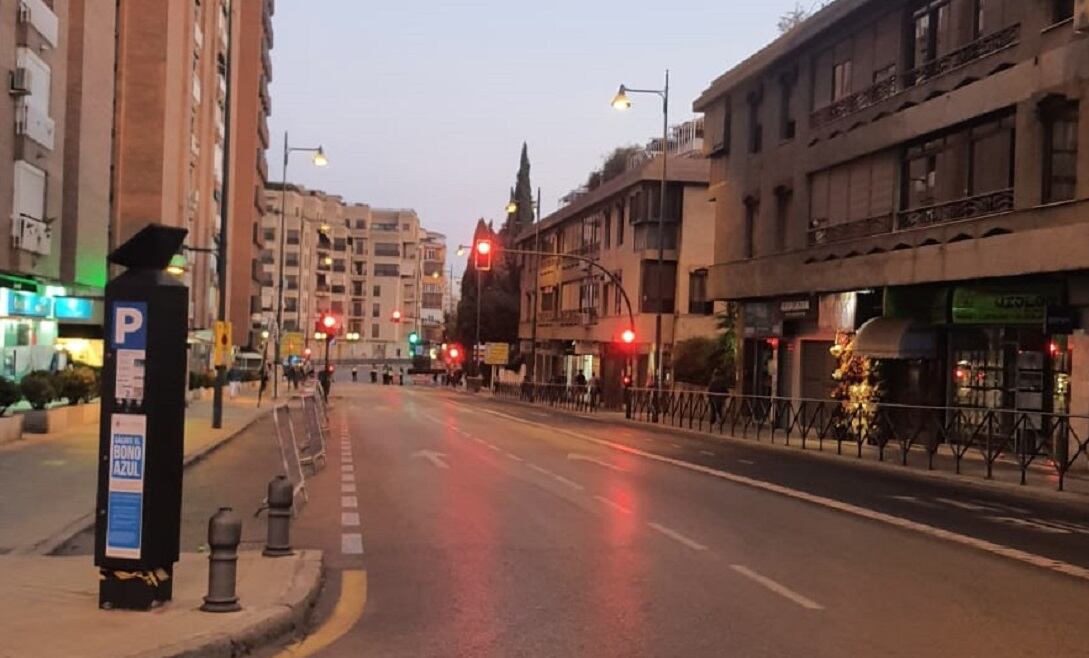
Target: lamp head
pixel 319 158
pixel 621 101
pixel 512 208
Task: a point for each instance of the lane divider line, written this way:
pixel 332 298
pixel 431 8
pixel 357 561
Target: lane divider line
pixel 1018 555
pixel 351 502
pixel 349 519
pixel 513 457
pixel 613 504
pixel 351 543
pixel 347 487
pixel 781 590
pixel 678 537
pixel 347 612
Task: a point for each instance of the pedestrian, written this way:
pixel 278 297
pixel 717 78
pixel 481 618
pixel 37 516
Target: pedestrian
pixel 355 374
pixel 595 391
pixel 234 378
pixel 716 396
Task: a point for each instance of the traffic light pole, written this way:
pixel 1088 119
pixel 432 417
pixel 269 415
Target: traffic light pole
pixel 224 226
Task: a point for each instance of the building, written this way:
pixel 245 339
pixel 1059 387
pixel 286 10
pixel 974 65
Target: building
pixel 581 314
pixel 915 176
pixel 59 62
pixel 434 289
pixel 251 106
pixel 170 131
pixel 363 264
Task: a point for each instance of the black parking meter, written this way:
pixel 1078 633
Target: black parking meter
pixel 141 432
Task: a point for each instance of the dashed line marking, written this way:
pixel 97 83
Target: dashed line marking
pixel 513 457
pixel 351 502
pixel 349 519
pixel 347 477
pixel 562 480
pixel 613 504
pixel 778 588
pixel 708 453
pixel 542 471
pixel 347 468
pixel 347 487
pixel 678 537
pixel 351 544
pixel 747 462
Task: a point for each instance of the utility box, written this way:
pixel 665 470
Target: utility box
pixel 142 428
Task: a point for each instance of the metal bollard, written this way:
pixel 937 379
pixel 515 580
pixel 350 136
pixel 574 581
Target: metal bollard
pixel 224 535
pixel 280 500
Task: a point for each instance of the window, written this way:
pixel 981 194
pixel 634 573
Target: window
pixel 293 236
pixel 548 299
pixel 387 249
pixel 697 294
pixel 376 310
pixel 387 269
pixel 619 224
pixel 608 232
pixel 357 288
pixel 841 80
pixel 361 224
pixel 783 197
pixel 756 129
pixel 1060 151
pixel 378 291
pixel 292 282
pixel 618 296
pixel 1062 10
pixel 339 244
pixel 374 330
pixel 269 234
pixel 787 125
pixel 932 33
pixel 291 304
pixel 727 128
pixel 291 260
pixel 357 309
pixel 653 301
pixel 752 213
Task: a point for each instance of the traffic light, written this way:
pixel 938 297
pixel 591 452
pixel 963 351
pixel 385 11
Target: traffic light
pixel 328 324
pixel 395 316
pixel 454 353
pixel 413 338
pixel 482 255
pixel 628 336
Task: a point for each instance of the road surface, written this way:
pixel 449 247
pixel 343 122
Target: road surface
pixel 462 526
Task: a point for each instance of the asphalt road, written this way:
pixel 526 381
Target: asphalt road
pixel 491 529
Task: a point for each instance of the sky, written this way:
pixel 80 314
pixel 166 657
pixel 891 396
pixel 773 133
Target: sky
pixel 425 104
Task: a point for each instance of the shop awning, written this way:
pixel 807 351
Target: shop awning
pixel 895 338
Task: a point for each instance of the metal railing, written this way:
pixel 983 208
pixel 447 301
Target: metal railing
pixel 1040 444
pixel 992 203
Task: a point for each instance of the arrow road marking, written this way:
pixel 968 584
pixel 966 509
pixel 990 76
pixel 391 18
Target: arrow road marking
pixel 436 458
pixel 583 458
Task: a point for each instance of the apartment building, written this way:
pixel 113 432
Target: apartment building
pixel 251 105
pixel 434 282
pixel 913 175
pixel 581 314
pixel 363 264
pixel 170 131
pixel 58 63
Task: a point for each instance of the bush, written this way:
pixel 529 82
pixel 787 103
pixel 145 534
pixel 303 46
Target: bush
pixel 9 394
pixel 77 384
pixel 205 379
pixel 695 359
pixel 38 388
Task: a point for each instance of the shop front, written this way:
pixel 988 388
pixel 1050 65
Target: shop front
pixel 47 331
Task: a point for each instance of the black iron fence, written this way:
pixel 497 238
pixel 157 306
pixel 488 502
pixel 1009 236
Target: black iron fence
pixel 1030 443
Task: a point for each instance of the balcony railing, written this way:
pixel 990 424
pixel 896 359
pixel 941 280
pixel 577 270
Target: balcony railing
pixel 822 233
pixel 976 206
pixel 896 83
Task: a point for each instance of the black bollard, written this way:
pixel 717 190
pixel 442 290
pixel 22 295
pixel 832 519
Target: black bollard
pixel 281 497
pixel 224 535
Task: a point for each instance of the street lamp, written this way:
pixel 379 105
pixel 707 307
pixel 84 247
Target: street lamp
pixel 622 102
pixel 319 160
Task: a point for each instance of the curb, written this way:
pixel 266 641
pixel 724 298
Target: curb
pixel 51 544
pixel 1027 491
pixel 286 616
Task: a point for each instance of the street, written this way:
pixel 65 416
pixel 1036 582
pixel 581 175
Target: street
pixel 485 528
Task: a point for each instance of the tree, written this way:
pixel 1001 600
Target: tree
pixel 793 18
pixel 616 163
pixel 522 196
pixel 499 307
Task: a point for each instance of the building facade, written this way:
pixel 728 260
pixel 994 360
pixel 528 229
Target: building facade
pixel 580 313
pixel 912 176
pixel 434 286
pixel 366 265
pixel 59 63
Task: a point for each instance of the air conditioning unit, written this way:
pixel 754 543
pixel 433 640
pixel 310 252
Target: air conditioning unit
pixel 20 81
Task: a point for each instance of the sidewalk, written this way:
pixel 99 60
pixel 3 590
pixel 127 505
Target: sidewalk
pixel 48 482
pixel 1041 477
pixel 49 607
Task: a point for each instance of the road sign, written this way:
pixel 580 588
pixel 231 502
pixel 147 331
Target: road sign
pixel 223 342
pixel 292 344
pixel 496 354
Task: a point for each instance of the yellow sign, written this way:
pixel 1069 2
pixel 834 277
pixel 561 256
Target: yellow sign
pixel 223 343
pixel 292 344
pixel 496 354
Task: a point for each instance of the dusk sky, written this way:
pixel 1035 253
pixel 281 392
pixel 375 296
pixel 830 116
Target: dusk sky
pixel 425 105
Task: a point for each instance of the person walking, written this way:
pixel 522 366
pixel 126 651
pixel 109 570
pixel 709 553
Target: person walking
pixel 355 374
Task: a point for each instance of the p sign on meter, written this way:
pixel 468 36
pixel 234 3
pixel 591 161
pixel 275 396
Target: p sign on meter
pixel 128 335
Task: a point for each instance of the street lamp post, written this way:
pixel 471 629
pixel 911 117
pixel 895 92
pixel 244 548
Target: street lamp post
pixel 622 102
pixel 319 160
pixel 224 208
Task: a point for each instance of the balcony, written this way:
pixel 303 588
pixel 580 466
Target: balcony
pixel 991 203
pixel 821 232
pixel 885 89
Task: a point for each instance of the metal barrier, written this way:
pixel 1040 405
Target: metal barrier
pixel 562 396
pixel 1017 439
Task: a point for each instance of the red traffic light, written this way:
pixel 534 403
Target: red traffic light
pixel 329 322
pixel 628 336
pixel 395 316
pixel 306 352
pixel 482 255
pixel 454 353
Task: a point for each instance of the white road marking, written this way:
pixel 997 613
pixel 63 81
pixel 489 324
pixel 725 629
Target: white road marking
pixel 513 457
pixel 1003 506
pixel 708 453
pixel 479 440
pixel 347 468
pixel 779 589
pixel 436 458
pixel 351 502
pixel 349 519
pixel 1034 524
pixel 915 501
pixel 747 462
pixel 678 537
pixel 347 487
pixel 574 485
pixel 542 471
pixel 351 544
pixel 1018 555
pixel 347 477
pixel 960 504
pixel 604 464
pixel 613 504
pixel 493 447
